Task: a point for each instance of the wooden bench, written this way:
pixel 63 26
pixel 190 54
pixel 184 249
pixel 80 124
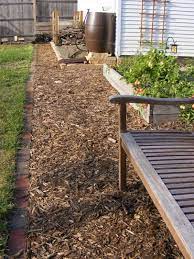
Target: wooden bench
pixel 164 161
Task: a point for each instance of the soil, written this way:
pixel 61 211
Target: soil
pixel 76 210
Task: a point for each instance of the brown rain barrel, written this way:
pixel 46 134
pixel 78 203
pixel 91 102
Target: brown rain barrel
pixel 95 30
pixel 100 32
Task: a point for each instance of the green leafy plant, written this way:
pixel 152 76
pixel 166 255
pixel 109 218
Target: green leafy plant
pixel 158 75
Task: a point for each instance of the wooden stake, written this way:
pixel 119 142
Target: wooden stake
pixel 55 26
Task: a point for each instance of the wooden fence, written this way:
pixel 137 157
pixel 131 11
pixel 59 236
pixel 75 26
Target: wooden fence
pixel 21 17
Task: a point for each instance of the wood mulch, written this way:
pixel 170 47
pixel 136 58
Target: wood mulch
pixel 76 210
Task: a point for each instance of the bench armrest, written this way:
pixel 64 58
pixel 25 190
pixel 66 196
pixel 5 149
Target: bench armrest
pixel 123 99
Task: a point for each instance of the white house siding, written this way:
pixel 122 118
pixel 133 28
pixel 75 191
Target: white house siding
pixel 179 25
pixel 128 24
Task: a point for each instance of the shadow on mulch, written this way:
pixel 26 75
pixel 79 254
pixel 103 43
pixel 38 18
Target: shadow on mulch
pixel 90 203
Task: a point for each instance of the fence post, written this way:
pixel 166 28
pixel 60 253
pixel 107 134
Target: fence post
pixel 55 27
pixel 78 19
pixel 34 15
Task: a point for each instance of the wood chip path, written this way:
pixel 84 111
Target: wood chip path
pixel 76 211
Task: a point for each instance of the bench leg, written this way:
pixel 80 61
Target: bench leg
pixel 122 167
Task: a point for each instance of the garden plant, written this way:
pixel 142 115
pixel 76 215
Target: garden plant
pixel 156 74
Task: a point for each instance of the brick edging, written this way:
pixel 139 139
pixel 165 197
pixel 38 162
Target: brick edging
pixel 18 218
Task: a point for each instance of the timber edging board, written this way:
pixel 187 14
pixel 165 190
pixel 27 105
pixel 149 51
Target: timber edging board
pixel 151 113
pixel 60 59
pixel 65 61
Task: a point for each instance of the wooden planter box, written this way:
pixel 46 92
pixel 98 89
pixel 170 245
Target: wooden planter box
pixel 151 113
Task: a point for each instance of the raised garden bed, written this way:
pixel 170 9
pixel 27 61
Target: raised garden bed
pixel 69 54
pixel 151 113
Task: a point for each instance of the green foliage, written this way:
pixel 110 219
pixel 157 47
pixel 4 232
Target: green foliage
pixel 158 75
pixel 14 70
pixel 188 114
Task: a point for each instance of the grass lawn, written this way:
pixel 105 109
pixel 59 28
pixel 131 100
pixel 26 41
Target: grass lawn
pixel 14 69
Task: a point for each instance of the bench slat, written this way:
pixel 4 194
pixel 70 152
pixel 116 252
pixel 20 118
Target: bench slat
pixel 135 133
pixel 188 210
pixel 172 162
pixel 174 166
pixel 174 170
pixel 167 150
pixel 182 197
pixel 157 146
pixel 179 185
pixel 165 140
pixel 182 191
pixel 185 204
pixel 172 153
pixel 177 175
pixel 163 137
pixel 179 180
pixel 172 157
pixel 166 144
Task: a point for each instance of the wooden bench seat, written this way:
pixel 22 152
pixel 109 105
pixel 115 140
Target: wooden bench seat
pixel 164 161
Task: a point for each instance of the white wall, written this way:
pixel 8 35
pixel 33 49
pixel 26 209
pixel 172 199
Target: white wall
pixel 128 23
pixel 179 25
pixel 97 5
